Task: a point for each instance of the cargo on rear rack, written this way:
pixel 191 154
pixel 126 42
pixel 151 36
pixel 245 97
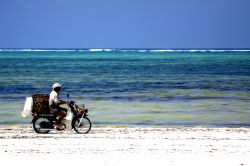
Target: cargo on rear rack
pixel 41 104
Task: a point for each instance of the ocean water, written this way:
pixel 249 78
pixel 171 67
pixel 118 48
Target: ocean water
pixel 133 87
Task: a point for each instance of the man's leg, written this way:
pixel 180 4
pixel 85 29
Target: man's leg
pixel 62 112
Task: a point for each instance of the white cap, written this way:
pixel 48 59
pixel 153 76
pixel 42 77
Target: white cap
pixel 56 85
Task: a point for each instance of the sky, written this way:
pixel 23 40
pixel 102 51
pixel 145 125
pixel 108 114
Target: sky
pixel 166 24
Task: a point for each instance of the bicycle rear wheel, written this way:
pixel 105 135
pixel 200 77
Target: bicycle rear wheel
pixel 41 125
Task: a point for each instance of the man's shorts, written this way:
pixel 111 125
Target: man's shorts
pixel 58 110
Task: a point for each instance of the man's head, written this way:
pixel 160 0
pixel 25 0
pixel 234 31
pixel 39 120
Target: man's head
pixel 57 87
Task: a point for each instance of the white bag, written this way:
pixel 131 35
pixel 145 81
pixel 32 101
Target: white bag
pixel 27 110
pixel 67 120
pixel 69 115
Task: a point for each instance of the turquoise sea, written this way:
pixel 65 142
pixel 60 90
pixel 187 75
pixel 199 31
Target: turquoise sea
pixel 133 87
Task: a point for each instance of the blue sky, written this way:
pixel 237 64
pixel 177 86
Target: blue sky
pixel 124 24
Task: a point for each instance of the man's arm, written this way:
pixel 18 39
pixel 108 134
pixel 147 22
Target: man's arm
pixel 63 102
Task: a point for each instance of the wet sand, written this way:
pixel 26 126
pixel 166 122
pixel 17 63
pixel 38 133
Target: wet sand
pixel 127 146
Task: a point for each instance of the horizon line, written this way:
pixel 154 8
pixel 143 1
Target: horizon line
pixel 129 49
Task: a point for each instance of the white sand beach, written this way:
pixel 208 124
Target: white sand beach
pixel 127 146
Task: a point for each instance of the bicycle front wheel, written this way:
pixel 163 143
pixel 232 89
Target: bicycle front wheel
pixel 82 125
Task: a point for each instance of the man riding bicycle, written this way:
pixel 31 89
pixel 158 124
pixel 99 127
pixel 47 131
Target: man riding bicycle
pixel 54 104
